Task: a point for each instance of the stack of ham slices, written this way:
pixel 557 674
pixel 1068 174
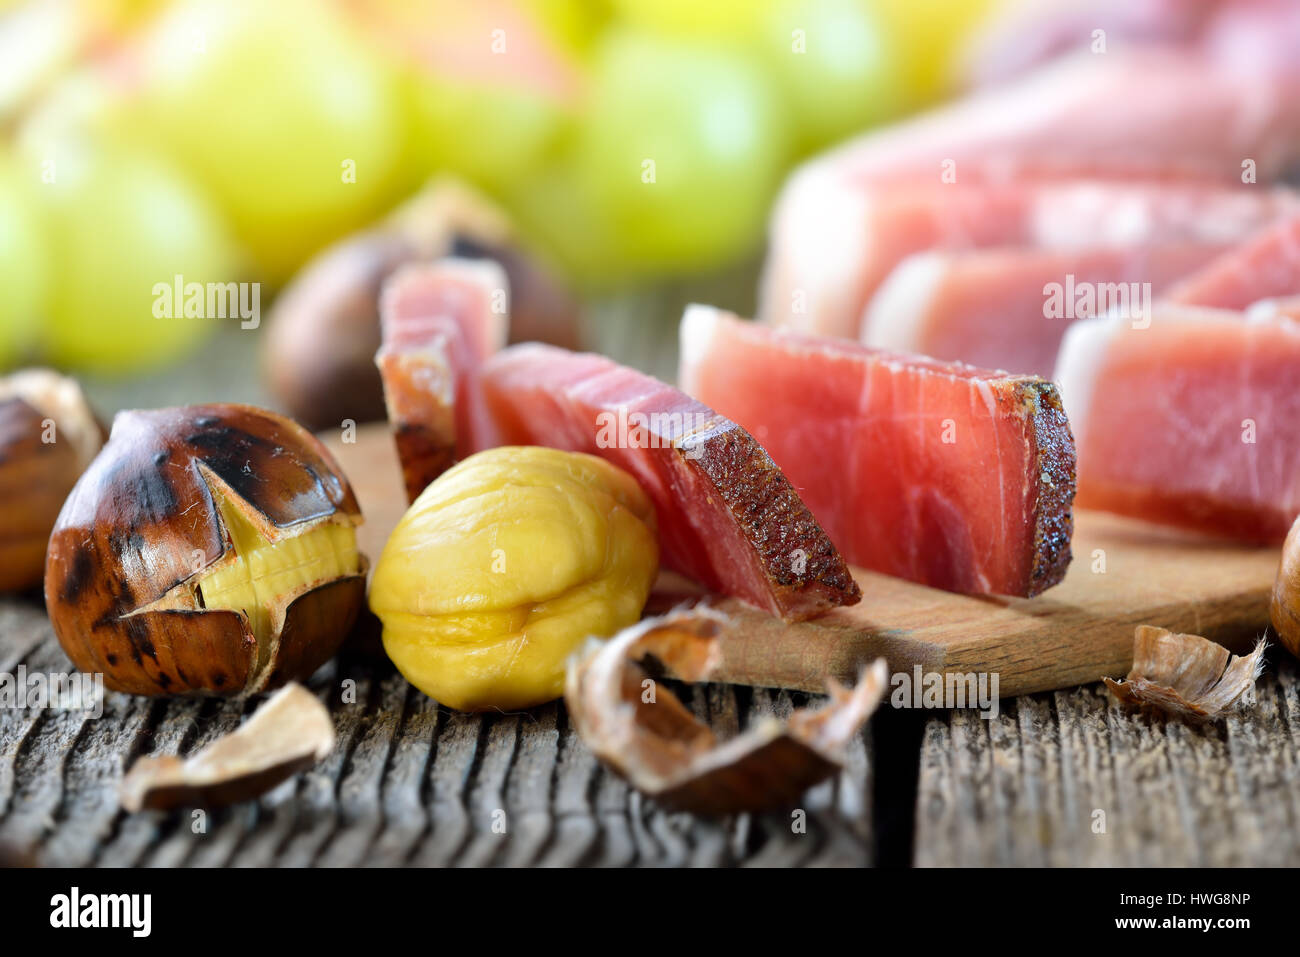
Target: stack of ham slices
pixel 863 421
pixel 784 459
pixel 941 235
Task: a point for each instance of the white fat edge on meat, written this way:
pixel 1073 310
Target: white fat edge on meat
pixel 819 242
pixel 1086 342
pixel 1269 310
pixel 1115 216
pixel 695 337
pixel 1089 214
pixel 896 315
pixel 1078 363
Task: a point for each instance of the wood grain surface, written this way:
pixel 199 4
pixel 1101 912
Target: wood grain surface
pixel 409 783
pixel 1070 778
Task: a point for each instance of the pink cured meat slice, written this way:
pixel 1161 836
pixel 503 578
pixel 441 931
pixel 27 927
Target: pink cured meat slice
pixel 727 515
pixel 941 473
pixel 1194 421
pixel 440 321
pixel 836 239
pixel 1142 115
pixel 1139 107
pixel 1008 308
pixel 1265 267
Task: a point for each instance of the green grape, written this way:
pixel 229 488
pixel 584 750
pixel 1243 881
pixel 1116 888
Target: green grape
pixel 291 125
pixel 120 221
pixel 682 149
pixel 490 88
pixel 556 212
pixel 835 67
pixel 493 136
pixel 23 267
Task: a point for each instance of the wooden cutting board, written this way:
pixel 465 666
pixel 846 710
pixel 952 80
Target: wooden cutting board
pixel 1124 573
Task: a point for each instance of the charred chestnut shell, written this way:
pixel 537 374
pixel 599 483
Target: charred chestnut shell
pixel 229 499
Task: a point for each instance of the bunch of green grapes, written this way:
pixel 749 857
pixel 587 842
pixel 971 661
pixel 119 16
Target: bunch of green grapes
pixel 230 139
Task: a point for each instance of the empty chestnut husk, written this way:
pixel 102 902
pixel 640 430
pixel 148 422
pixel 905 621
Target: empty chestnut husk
pixel 48 435
pixel 208 549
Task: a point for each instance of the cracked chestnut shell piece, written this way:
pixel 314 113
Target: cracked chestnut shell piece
pixel 289 733
pixel 48 435
pixel 208 549
pixel 662 750
pixel 1187 676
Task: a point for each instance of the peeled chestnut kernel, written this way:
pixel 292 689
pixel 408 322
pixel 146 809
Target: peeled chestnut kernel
pixel 1285 608
pixel 208 549
pixel 504 566
pixel 48 435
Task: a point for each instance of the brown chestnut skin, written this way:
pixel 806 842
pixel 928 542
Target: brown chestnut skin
pixel 36 474
pixel 145 518
pixel 1285 607
pixel 34 478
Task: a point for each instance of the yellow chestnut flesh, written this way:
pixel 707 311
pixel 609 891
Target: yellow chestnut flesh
pixel 507 564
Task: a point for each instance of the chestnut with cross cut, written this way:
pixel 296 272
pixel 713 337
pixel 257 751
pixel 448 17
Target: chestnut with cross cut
pixel 208 549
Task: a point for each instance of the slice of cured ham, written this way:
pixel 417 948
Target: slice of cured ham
pixel 1174 129
pixel 836 240
pixel 945 474
pixel 1265 267
pixel 1008 308
pixel 439 322
pixel 1193 421
pixel 1133 108
pixel 727 515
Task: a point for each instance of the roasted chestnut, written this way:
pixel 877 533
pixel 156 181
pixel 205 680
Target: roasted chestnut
pixel 208 549
pixel 48 435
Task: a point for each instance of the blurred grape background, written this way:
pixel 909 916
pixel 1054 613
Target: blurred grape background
pixel 635 144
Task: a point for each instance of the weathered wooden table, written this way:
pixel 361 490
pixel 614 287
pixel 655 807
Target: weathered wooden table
pixel 1057 778
pixel 1060 778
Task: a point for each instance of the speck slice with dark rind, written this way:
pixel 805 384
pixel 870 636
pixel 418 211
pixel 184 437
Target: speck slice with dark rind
pixel 1054 447
pixel 941 473
pixel 728 517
